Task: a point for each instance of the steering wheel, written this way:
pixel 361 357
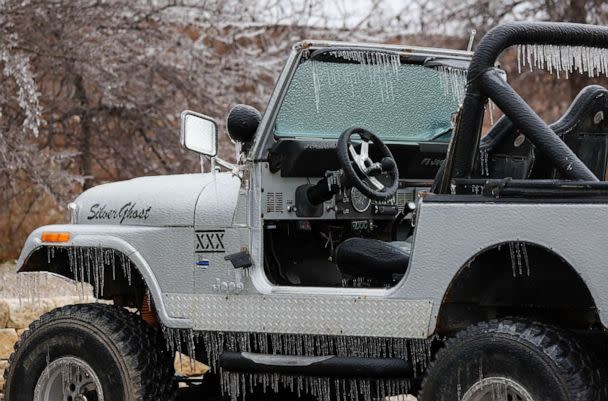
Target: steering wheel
pixel 361 171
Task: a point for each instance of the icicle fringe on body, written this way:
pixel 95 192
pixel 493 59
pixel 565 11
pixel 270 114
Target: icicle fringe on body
pixel 88 265
pixel 238 385
pixel 518 252
pixel 417 351
pixel 563 59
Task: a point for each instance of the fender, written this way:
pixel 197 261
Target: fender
pixel 112 237
pixel 449 233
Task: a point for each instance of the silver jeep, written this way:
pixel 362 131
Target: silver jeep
pixel 367 242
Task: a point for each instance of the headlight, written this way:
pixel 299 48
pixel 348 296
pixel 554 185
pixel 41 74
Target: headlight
pixel 73 209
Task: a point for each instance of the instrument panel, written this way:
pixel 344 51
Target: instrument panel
pixel 352 204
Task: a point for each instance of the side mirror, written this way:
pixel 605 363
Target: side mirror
pixel 199 133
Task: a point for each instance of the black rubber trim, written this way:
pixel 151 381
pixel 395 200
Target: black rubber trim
pixel 472 199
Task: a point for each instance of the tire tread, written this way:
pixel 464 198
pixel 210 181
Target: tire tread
pixel 149 365
pixel 561 348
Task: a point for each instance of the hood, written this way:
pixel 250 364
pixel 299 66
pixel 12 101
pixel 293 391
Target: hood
pixel 168 200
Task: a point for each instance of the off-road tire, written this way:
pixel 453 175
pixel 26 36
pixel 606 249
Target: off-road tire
pixel 546 361
pixel 127 355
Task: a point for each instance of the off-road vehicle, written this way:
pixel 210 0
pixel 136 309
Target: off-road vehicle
pixel 367 243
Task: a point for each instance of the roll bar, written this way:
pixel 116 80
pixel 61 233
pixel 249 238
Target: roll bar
pixel 483 82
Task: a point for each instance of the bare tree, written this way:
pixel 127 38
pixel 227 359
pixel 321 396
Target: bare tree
pixel 460 17
pixel 92 90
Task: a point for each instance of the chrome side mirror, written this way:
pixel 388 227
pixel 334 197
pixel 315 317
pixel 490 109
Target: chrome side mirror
pixel 199 133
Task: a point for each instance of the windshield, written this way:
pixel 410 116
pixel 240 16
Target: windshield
pixel 397 101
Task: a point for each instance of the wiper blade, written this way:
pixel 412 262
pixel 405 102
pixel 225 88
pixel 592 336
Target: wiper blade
pixel 451 64
pixel 439 135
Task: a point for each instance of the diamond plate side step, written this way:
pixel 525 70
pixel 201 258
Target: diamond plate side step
pixel 323 366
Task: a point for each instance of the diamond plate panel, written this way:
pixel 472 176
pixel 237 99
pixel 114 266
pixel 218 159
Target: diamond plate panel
pixel 351 316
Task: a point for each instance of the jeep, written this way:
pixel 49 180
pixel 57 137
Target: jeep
pixel 368 242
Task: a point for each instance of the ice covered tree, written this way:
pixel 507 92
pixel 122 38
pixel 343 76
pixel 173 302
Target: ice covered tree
pixel 92 90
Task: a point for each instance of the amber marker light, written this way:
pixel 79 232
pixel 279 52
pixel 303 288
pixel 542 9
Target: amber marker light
pixel 55 237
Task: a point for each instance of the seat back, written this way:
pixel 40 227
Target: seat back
pixel 506 152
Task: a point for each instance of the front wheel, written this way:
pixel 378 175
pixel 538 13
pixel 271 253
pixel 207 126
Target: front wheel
pixel 511 360
pixel 90 352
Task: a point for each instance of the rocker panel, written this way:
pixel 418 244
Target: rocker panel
pixel 313 314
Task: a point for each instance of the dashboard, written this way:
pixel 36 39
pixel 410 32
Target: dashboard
pixel 278 200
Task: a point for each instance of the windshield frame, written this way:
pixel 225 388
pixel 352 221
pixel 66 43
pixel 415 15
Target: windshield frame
pixel 266 138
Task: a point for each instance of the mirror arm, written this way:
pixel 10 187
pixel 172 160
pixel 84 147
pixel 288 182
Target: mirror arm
pixel 235 169
pixel 225 164
pixel 216 160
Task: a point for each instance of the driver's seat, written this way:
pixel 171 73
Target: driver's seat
pixel 372 258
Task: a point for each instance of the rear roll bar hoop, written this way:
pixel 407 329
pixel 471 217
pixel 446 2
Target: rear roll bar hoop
pixel 483 83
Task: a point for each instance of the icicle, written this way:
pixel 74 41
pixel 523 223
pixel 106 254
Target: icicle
pixel 113 260
pixel 525 254
pixel 312 345
pixel 95 276
pixel 376 68
pixel 519 58
pixel 512 253
pixel 102 267
pixel 316 83
pixel 483 162
pixel 563 59
pixel 453 82
pixel 518 254
pixel 87 262
pixel 519 258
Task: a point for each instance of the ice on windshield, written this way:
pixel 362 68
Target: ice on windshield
pixel 397 101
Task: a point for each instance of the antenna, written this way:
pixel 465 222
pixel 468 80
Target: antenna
pixel 471 39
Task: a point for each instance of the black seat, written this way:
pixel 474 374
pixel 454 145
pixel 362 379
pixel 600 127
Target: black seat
pixel 506 152
pixel 372 258
pixel 583 127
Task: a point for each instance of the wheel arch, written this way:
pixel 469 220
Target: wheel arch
pixel 518 278
pixel 37 256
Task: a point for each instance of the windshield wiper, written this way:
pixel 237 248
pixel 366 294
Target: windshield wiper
pixel 439 135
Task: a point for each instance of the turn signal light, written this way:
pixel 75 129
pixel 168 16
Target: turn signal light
pixel 55 237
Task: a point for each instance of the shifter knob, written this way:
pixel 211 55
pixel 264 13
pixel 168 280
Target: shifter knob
pixel 387 163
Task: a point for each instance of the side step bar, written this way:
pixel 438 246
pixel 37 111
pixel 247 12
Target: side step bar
pixel 323 366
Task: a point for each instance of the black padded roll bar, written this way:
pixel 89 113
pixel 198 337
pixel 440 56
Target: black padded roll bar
pixel 482 84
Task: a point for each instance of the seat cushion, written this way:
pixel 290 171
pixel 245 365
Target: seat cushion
pixel 372 258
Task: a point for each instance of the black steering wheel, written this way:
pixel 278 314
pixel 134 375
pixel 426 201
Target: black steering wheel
pixel 361 171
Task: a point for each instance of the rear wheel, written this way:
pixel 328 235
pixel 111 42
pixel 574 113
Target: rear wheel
pixel 511 360
pixel 90 352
